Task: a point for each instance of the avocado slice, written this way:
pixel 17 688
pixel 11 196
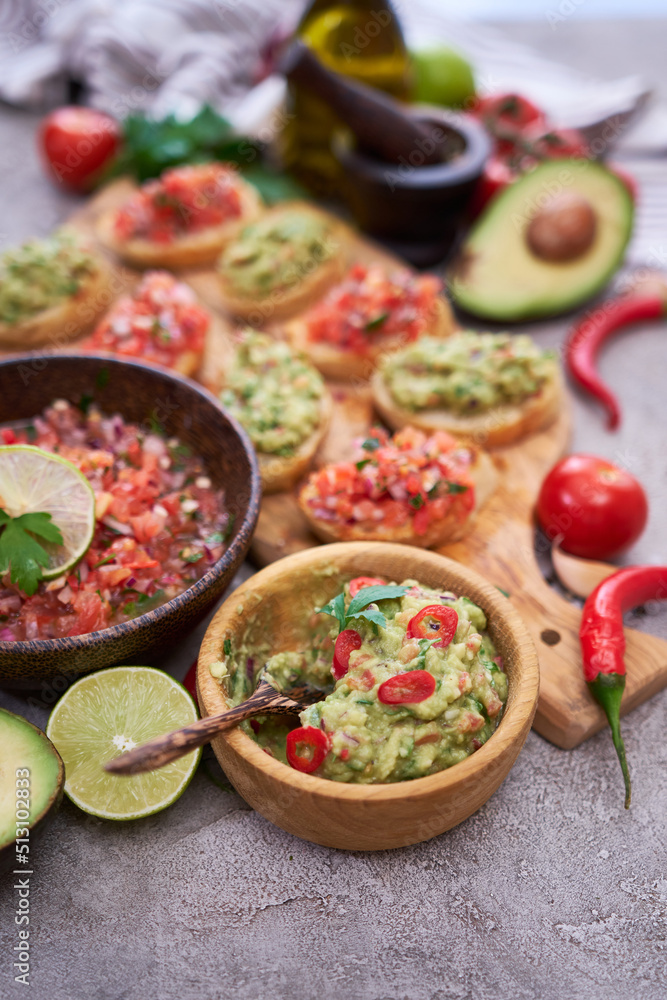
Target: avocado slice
pixel 25 747
pixel 500 276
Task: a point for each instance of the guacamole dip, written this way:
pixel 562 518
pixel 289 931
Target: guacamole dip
pixel 468 372
pixel 275 253
pixel 414 686
pixel 274 393
pixel 40 274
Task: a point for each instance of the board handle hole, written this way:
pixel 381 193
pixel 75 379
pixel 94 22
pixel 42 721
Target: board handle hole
pixel 550 637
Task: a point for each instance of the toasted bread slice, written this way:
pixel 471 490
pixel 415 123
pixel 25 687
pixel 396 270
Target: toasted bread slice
pixel 66 321
pixel 495 428
pixel 337 363
pixel 281 472
pixel 449 529
pixel 310 279
pixel 188 251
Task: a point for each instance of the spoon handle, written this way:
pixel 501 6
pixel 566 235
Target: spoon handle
pixel 163 749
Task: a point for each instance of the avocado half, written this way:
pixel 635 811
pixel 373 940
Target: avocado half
pixel 498 276
pixel 24 747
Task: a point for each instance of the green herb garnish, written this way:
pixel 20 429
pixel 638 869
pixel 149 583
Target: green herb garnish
pixel 359 605
pixel 376 322
pixel 20 551
pixel 227 647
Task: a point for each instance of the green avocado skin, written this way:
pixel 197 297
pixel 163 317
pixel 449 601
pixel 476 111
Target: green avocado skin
pixel 23 745
pixel 489 237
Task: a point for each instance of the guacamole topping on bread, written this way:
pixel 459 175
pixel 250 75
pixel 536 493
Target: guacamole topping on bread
pixel 40 274
pixel 468 372
pixel 275 253
pixel 414 684
pixel 274 393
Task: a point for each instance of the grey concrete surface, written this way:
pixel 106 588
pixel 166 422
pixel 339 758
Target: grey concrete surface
pixel 550 892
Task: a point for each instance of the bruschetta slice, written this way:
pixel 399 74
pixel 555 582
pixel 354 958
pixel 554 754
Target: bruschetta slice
pixel 183 219
pixel 161 323
pixel 282 263
pixel 415 488
pixel 374 309
pixel 51 292
pixel 282 402
pixel 490 388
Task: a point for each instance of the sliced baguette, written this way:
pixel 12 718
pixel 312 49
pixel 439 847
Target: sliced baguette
pixel 495 428
pixel 66 321
pixel 188 251
pixel 281 472
pixel 337 363
pixel 450 529
pixel 300 294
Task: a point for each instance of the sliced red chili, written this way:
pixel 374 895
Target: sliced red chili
pixel 348 640
pixel 437 621
pixel 360 582
pixel 407 689
pixel 306 748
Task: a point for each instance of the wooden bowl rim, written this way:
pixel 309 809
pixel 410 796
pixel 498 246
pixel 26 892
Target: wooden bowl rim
pixel 241 540
pixel 515 721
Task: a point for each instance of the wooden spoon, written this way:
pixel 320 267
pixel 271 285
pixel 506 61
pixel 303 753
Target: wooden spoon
pixel 265 700
pixel 579 576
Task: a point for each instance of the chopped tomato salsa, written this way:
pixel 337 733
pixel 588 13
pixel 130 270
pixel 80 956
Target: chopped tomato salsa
pixel 159 323
pixel 183 200
pixel 412 477
pixel 160 526
pixel 370 305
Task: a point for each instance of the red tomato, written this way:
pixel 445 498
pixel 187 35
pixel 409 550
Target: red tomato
pixel 508 111
pixel 360 582
pixel 628 179
pixel 556 143
pixel 591 508
pixel 347 641
pixel 496 176
pixel 407 689
pixel 76 144
pixel 306 748
pixel 437 621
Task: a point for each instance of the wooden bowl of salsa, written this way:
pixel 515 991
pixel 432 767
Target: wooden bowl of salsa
pixel 273 613
pixel 177 494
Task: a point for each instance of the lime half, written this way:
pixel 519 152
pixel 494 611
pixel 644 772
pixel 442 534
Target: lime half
pixel 111 711
pixel 33 480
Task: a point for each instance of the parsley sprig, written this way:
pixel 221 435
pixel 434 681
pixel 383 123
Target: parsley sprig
pixel 21 553
pixel 359 606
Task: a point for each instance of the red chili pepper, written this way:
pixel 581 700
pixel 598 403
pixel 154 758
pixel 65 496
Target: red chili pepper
pixel 437 621
pixel 306 748
pixel 407 689
pixel 347 641
pixel 360 582
pixel 588 337
pixel 190 681
pixel 603 642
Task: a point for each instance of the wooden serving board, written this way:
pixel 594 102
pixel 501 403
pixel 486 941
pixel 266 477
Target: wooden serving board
pixel 500 545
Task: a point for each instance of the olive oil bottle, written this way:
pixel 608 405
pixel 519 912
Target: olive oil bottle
pixel 361 39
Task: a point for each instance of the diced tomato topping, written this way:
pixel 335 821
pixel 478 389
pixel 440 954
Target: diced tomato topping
pixel 306 748
pixel 360 582
pixel 347 641
pixel 437 621
pixel 407 689
pixel 8 435
pixel 183 200
pixel 411 478
pixel 372 304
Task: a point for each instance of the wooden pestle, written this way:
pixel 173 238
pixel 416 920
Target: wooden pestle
pixel 381 124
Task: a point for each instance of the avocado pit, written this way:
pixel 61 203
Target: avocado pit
pixel 564 229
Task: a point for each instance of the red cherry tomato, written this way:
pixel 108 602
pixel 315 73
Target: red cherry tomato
pixel 496 176
pixel 306 748
pixel 407 689
pixel 591 508
pixel 347 641
pixel 508 111
pixel 360 582
pixel 556 143
pixel 437 621
pixel 76 144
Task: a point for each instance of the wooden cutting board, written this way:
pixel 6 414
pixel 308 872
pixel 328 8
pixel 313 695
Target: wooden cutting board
pixel 500 545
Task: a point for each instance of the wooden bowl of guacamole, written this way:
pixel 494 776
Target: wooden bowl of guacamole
pixel 392 772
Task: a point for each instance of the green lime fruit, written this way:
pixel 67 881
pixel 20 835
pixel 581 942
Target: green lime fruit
pixel 107 713
pixel 442 76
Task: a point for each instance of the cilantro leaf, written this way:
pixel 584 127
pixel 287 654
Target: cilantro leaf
pixel 455 487
pixel 376 322
pixel 424 646
pixel 371 595
pixel 335 608
pixel 370 444
pixel 227 647
pixel 370 614
pixel 20 551
pixel 417 501
pixel 190 557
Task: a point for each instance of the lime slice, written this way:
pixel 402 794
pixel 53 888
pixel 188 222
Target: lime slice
pixel 33 480
pixel 114 710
